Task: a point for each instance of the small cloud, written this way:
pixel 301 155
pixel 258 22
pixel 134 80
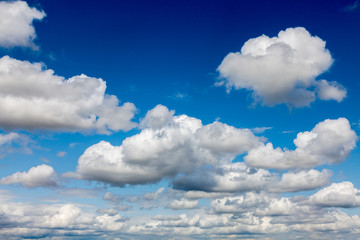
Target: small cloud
pixel 259 130
pixel 61 154
pixel 290 131
pixel 180 96
pixel 351 7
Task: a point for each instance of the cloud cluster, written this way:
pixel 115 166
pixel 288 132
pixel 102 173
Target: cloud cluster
pixel 282 69
pixel 16 28
pixel 39 176
pixel 166 146
pixel 34 98
pixel 331 141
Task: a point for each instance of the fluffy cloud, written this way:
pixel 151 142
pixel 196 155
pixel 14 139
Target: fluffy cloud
pixel 281 69
pixel 337 195
pixel 330 91
pixel 34 98
pixel 16 27
pixel 39 176
pixel 331 141
pixel 301 181
pixel 179 144
pixel 183 203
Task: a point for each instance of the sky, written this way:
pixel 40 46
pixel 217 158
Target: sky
pixel 174 119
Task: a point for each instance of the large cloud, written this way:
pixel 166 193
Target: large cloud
pixel 39 176
pixel 179 144
pixel 330 142
pixel 281 69
pixel 16 27
pixel 34 98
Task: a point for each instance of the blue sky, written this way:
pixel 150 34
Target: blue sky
pixel 179 119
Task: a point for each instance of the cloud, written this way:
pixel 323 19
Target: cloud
pixel 304 180
pixel 330 91
pixel 39 176
pixel 16 28
pixel 166 146
pixel 14 142
pixel 281 69
pixel 351 7
pixel 259 130
pixel 61 154
pixel 183 203
pixel 34 98
pixel 330 142
pixel 232 177
pixel 337 195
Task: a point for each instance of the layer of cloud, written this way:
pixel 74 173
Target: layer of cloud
pixel 166 146
pixel 281 69
pixel 34 98
pixel 330 142
pixel 39 176
pixel 16 24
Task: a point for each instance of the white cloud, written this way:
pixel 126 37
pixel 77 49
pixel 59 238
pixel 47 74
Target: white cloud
pixel 166 146
pixel 183 203
pixel 330 91
pixel 301 181
pixel 221 137
pixel 16 28
pixel 342 194
pixel 61 154
pixel 281 69
pixel 14 142
pixel 39 176
pixel 34 98
pixel 240 204
pixel 330 142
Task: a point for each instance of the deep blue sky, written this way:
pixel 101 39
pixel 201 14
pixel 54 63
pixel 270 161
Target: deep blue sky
pixel 168 52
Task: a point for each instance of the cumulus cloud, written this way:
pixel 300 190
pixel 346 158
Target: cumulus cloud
pixel 342 194
pixel 301 181
pixel 330 142
pixel 16 24
pixel 183 203
pixel 233 177
pixel 281 69
pixel 166 146
pixel 39 176
pixel 34 98
pixel 330 91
